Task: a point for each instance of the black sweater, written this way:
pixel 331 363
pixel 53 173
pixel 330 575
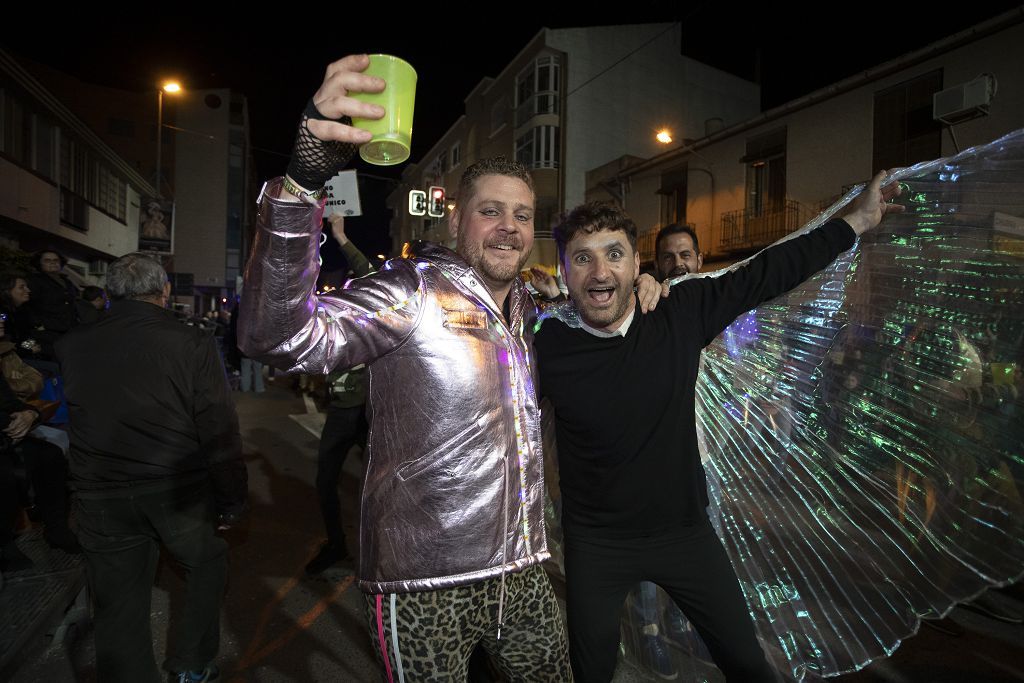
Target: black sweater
pixel 624 406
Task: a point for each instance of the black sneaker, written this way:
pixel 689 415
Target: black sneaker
pixel 657 657
pixel 329 555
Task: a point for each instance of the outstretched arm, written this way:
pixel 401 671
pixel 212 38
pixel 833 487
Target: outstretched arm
pixel 872 205
pixel 786 264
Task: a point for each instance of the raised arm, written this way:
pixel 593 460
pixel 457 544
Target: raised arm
pixel 325 140
pixel 282 320
pixel 285 323
pixel 356 260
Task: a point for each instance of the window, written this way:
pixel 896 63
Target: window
pixel 237 109
pixel 766 173
pixel 66 152
pixel 539 148
pixel 43 156
pixel 544 217
pixel 904 131
pixel 673 191
pixel 33 141
pixel 16 140
pixel 111 196
pixel 499 114
pixel 537 89
pixel 547 86
pixel 524 150
pixel 80 163
pixel 456 155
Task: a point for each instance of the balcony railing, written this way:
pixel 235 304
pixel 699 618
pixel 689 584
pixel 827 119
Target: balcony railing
pixel 538 103
pixel 749 229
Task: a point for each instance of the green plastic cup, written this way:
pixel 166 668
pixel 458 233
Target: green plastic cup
pixel 392 135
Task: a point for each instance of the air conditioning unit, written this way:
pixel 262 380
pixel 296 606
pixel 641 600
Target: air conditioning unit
pixel 963 102
pixel 97 268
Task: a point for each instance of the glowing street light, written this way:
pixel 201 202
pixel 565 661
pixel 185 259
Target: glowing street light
pixel 172 87
pixel 663 136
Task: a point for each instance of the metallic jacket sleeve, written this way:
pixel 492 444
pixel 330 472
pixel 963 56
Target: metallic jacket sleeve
pixel 283 322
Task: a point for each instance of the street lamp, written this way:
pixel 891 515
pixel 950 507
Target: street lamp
pixel 663 136
pixel 173 88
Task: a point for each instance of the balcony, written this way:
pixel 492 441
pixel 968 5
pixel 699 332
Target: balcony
pixel 539 103
pixel 748 229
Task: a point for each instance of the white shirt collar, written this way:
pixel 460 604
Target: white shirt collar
pixel 620 332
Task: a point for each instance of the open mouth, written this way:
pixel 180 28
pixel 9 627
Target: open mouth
pixel 601 295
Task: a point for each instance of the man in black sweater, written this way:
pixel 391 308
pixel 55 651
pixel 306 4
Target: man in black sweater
pixel 622 387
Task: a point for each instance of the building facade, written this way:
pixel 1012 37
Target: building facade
pixel 214 183
pixel 573 99
pixel 206 172
pixel 749 184
pixel 61 186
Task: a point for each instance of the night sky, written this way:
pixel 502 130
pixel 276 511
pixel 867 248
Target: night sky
pixel 278 66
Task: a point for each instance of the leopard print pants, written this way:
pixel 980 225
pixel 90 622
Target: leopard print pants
pixel 429 636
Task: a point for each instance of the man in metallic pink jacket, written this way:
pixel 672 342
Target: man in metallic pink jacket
pixel 452 524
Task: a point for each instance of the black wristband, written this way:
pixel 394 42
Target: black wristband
pixel 315 161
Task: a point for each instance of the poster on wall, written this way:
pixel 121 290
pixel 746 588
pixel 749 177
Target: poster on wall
pixel 156 225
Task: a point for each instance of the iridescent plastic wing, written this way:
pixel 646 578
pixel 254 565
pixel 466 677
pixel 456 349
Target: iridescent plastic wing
pixel 864 433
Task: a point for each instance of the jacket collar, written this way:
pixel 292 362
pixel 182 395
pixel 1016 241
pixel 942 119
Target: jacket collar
pixel 139 308
pixel 458 271
pixel 438 255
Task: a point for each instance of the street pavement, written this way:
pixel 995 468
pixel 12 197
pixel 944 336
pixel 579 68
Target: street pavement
pixel 279 625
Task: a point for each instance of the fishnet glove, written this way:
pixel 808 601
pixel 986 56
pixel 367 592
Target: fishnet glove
pixel 315 161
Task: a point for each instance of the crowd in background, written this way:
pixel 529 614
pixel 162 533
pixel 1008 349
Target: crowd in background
pixel 37 307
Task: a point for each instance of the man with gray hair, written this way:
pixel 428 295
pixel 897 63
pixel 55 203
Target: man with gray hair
pixel 155 459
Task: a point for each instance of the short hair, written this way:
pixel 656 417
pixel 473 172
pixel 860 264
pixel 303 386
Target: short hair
pixel 135 276
pixel 590 218
pixel 675 229
pixel 491 166
pixel 37 258
pixel 91 293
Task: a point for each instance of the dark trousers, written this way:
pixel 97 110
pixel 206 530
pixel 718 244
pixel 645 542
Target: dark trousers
pixel 691 566
pixel 8 499
pixel 343 428
pixel 121 538
pixel 47 470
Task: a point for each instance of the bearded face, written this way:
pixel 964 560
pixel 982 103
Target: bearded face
pixel 494 229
